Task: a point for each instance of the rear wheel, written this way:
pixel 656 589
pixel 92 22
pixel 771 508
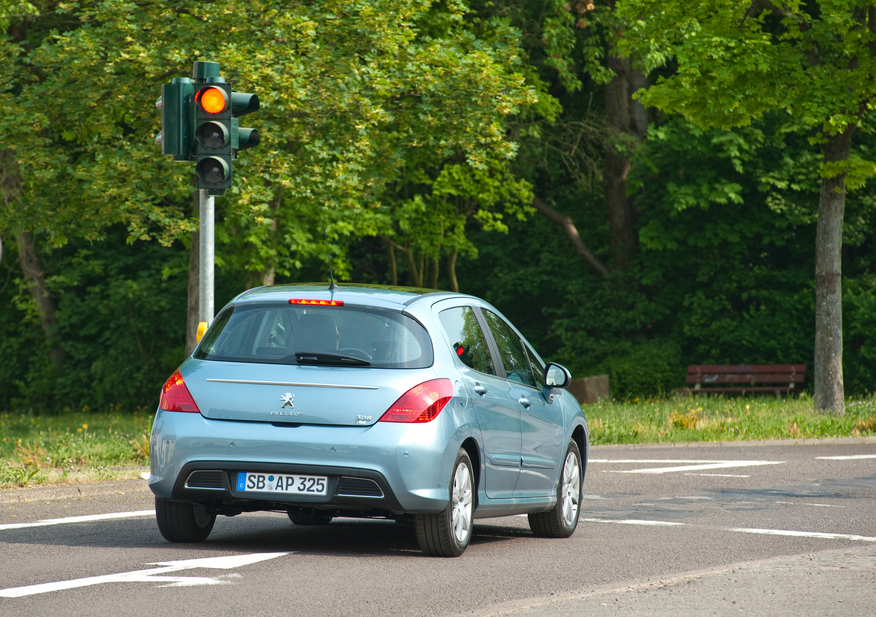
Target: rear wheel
pixel 299 518
pixel 561 521
pixel 179 521
pixel 447 533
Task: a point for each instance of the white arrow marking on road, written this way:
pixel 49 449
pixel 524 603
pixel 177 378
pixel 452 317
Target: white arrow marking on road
pixel 687 465
pixel 150 575
pixel 79 519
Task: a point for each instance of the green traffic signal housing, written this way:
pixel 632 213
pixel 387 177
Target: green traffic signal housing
pixel 176 113
pixel 199 122
pixel 214 136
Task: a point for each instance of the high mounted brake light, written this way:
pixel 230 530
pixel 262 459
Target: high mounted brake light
pixel 317 302
pixel 421 403
pixel 175 396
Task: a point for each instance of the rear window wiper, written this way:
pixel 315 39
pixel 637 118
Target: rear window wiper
pixel 319 357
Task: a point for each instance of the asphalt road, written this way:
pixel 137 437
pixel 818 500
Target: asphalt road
pixel 768 529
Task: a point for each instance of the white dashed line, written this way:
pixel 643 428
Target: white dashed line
pixel 702 467
pixel 79 519
pixel 766 532
pixel 857 457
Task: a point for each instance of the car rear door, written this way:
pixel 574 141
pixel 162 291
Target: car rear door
pixel 498 417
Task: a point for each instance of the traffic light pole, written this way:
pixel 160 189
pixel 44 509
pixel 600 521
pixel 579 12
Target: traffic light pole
pixel 206 257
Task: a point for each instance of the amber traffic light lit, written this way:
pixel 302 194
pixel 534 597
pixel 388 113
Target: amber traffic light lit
pixel 212 100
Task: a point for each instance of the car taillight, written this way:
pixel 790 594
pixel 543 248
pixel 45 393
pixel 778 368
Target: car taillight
pixel 421 403
pixel 175 396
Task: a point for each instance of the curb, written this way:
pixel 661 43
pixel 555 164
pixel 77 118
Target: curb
pixel 736 444
pixel 69 492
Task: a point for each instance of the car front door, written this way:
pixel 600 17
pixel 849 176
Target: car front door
pixel 541 420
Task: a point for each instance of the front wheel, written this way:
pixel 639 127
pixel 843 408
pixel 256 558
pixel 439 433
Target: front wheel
pixel 179 521
pixel 561 521
pixel 447 533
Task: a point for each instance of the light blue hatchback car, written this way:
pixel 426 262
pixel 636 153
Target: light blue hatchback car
pixel 427 408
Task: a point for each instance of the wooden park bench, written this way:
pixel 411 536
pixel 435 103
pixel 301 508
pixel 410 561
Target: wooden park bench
pixel 744 378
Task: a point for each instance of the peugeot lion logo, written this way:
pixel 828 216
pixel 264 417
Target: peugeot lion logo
pixel 288 400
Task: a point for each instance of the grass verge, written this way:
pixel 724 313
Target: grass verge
pixel 716 418
pixel 72 448
pixel 91 447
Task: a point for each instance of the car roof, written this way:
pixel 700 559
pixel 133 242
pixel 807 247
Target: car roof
pixel 388 296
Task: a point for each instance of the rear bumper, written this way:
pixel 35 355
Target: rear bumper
pixel 409 464
pixel 348 489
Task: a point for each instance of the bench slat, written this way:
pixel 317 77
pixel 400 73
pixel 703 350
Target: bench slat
pixel 705 378
pixel 722 390
pixel 746 368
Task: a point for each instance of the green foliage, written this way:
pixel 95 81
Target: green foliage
pixel 734 63
pixel 121 322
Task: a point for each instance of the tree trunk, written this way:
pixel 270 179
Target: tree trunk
pixel 629 120
pixel 393 280
pixel 828 384
pixel 36 284
pixel 270 273
pixel 451 271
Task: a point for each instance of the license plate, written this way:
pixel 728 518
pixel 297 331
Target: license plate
pixel 293 484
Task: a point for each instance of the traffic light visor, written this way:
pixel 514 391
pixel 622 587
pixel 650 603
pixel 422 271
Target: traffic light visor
pixel 212 100
pixel 212 135
pixel 213 170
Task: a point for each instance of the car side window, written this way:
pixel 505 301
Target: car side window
pixel 537 367
pixel 511 349
pixel 469 343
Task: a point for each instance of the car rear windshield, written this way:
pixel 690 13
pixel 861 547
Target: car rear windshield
pixel 339 336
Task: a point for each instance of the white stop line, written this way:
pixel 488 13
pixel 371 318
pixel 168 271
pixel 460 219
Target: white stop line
pixel 679 465
pixel 152 575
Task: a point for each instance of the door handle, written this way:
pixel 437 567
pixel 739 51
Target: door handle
pixel 480 389
pixel 524 401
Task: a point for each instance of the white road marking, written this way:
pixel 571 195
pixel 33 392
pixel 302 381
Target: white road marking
pixel 633 521
pixel 627 461
pixel 717 475
pixel 856 457
pixel 701 467
pixel 768 532
pixel 681 465
pixel 150 575
pixel 79 519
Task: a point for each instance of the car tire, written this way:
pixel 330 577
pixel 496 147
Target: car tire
pixel 299 518
pixel 448 533
pixel 561 521
pixel 180 521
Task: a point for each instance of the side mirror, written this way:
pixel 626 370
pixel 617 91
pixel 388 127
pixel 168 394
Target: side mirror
pixel 556 376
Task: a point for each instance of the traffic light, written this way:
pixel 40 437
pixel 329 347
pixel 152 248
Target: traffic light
pixel 176 118
pixel 199 122
pixel 213 137
pixel 242 104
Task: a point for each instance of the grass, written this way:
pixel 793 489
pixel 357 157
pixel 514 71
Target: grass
pixel 716 418
pixel 90 447
pixel 72 448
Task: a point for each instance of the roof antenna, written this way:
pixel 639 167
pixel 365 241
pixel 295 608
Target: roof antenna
pixel 333 287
